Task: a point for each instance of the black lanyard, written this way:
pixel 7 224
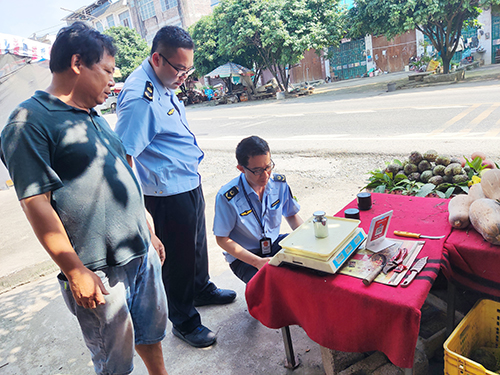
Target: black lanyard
pixel 251 207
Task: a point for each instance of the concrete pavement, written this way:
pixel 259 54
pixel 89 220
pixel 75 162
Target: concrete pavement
pixel 40 336
pixel 380 82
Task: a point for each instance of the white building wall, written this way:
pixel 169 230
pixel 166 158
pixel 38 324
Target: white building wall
pixel 326 64
pixel 484 35
pixel 370 60
pixel 114 11
pixel 419 39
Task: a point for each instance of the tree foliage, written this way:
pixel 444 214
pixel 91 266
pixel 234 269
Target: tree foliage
pixel 208 54
pixel 270 34
pixel 204 34
pixel 440 20
pixel 131 49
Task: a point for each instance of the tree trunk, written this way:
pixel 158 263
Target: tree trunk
pixel 283 76
pixel 446 62
pixel 258 72
pixel 250 84
pixel 275 72
pixel 267 62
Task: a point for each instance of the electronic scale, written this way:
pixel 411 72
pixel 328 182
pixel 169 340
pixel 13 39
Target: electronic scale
pixel 302 248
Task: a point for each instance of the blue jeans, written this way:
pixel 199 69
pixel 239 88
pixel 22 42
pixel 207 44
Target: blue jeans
pixel 135 313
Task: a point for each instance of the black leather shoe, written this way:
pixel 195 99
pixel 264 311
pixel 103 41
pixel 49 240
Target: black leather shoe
pixel 215 296
pixel 201 337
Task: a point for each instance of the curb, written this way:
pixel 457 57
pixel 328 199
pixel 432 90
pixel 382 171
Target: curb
pixel 27 275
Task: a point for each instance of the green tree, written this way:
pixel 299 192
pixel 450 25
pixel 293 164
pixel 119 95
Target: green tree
pixel 208 52
pixel 131 49
pixel 440 20
pixel 273 33
pixel 205 36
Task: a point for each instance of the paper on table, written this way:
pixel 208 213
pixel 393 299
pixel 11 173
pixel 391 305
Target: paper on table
pixel 360 265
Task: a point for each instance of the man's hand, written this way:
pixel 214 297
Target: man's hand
pixel 239 252
pixel 158 245
pixel 155 241
pixel 262 262
pixel 87 288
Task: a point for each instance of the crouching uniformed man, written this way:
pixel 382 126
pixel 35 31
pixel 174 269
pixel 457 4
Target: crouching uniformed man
pixel 248 210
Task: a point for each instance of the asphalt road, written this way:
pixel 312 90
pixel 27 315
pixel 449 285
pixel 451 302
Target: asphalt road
pixel 452 118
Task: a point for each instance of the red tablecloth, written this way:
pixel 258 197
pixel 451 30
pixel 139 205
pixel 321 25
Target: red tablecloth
pixel 338 311
pixel 471 262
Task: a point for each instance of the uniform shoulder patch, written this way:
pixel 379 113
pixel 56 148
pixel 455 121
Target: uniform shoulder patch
pixel 231 193
pixel 279 177
pixel 148 91
pixel 247 212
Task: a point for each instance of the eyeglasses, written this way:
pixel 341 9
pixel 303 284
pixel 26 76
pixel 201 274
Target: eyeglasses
pixel 259 171
pixel 180 72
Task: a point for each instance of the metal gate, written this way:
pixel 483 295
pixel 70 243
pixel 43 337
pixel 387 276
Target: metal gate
pixel 348 60
pixel 469 35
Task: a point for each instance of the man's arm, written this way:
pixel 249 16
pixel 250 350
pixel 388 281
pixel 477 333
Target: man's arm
pixel 294 221
pixel 239 252
pixel 86 286
pixel 155 241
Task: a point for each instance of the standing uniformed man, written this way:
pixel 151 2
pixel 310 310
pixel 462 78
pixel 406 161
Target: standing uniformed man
pixel 248 210
pixel 153 127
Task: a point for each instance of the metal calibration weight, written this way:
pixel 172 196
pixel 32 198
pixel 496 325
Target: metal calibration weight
pixel 320 224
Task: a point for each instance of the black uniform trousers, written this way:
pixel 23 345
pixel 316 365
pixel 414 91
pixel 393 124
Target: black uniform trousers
pixel 180 225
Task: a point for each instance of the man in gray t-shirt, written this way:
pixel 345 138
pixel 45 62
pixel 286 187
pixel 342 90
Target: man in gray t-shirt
pixel 85 205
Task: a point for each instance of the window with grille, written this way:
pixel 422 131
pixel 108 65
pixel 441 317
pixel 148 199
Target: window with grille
pixel 124 19
pixel 110 21
pixel 98 26
pixel 168 4
pixel 146 9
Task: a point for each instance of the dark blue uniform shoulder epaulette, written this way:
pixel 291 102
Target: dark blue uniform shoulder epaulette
pixel 279 177
pixel 231 193
pixel 148 91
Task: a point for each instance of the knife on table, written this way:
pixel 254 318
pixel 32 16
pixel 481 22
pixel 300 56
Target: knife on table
pixel 416 235
pixel 417 267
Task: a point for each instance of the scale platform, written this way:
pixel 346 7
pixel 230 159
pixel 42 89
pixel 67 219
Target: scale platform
pixel 302 248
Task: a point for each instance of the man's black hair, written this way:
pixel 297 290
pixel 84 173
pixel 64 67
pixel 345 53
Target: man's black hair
pixel 79 39
pixel 171 38
pixel 250 147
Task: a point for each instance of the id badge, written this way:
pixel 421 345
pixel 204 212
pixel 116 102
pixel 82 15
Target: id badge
pixel 265 245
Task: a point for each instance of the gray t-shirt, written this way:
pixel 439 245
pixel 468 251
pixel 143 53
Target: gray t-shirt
pixel 51 146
